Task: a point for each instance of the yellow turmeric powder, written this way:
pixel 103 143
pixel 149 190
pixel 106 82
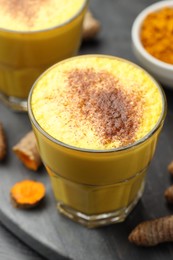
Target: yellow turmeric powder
pixel 157 34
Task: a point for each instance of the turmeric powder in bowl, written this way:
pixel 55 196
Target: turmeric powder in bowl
pixel 152 40
pixel 157 34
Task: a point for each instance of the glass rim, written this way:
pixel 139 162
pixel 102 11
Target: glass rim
pixel 25 32
pixel 89 150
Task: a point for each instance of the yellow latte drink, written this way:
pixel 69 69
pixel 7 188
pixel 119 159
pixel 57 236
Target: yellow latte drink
pixel 33 36
pixel 97 119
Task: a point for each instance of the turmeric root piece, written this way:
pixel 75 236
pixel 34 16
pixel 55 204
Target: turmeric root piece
pixel 153 232
pixel 169 194
pixel 27 194
pixel 26 150
pixel 3 144
pixel 91 26
pixel 170 167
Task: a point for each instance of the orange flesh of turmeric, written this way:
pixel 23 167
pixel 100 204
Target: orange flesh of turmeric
pixel 27 193
pixel 26 150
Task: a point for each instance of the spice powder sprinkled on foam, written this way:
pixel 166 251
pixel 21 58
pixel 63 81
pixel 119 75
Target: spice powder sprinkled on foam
pixel 96 103
pixel 31 15
pixel 98 98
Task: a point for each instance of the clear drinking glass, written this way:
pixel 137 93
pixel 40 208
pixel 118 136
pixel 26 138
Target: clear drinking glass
pixel 24 55
pixel 96 187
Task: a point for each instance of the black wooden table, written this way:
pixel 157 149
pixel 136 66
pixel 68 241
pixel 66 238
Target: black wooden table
pixel 36 228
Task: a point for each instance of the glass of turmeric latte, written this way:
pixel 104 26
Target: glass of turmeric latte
pixel 97 119
pixel 34 35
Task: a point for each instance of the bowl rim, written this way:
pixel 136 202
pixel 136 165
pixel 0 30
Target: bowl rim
pixel 136 29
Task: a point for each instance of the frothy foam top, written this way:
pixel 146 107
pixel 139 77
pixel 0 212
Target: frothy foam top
pixel 96 102
pixel 31 15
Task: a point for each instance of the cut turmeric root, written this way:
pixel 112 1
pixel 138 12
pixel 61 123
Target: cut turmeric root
pixel 153 232
pixel 3 145
pixel 26 150
pixel 27 194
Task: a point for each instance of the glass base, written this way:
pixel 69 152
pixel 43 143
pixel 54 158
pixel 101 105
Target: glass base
pixel 92 221
pixel 16 104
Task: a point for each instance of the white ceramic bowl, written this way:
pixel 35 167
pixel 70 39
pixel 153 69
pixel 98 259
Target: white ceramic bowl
pixel 163 72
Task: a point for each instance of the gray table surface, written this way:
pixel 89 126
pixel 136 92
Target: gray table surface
pixel 116 17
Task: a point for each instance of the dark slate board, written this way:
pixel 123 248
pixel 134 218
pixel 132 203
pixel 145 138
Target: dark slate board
pixel 52 235
pixel 43 228
pixel 12 248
